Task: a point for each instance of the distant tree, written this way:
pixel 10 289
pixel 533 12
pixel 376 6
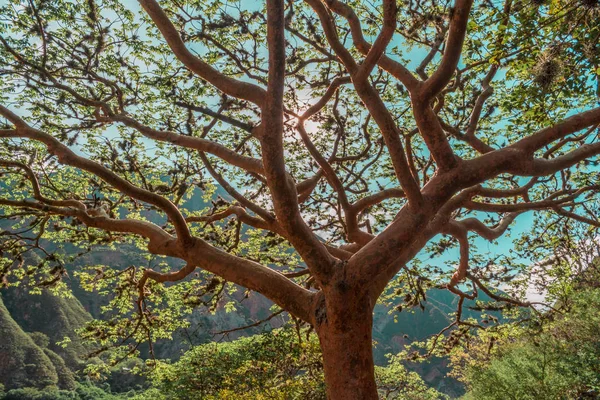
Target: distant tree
pixel 354 133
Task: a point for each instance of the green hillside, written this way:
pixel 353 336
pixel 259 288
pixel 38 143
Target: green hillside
pixel 56 317
pixel 22 362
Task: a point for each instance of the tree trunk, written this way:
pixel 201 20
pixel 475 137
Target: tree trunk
pixel 344 327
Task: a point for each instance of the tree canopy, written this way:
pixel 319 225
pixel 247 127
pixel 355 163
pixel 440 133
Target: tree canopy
pixel 347 139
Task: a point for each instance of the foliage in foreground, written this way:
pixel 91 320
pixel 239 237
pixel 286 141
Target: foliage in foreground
pixel 557 360
pixel 281 364
pixel 83 391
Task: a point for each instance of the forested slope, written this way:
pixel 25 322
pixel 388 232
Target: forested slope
pixel 25 363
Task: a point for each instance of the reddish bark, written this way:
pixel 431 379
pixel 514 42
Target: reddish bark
pixel 344 325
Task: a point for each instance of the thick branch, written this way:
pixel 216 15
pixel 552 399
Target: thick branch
pixel 331 34
pixel 160 242
pixel 232 87
pixel 273 285
pixel 378 49
pixel 396 69
pixel 281 184
pixel 570 125
pixel 68 157
pixel 452 51
pixel 251 275
pixel 377 198
pixel 432 132
pixel 372 100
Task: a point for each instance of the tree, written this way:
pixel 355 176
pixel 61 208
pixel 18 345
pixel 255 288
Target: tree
pixel 326 139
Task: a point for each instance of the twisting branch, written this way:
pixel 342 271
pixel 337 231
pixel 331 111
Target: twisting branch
pixel 541 138
pixel 227 85
pixel 437 150
pixel 331 34
pixel 396 69
pixel 37 194
pixel 460 233
pixel 452 52
pixel 270 283
pixel 161 278
pixel 556 199
pixel 561 211
pixel 377 198
pixel 432 132
pixel 490 234
pixel 160 242
pixel 382 41
pixel 68 157
pixel 281 185
pixel 251 275
pixel 372 100
pixel 354 234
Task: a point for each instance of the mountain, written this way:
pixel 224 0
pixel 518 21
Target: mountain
pixel 25 363
pixel 55 317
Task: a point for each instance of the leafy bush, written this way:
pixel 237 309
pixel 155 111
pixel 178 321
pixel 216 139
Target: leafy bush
pixel 280 365
pixel 274 365
pixel 83 391
pixel 49 393
pixel 560 361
